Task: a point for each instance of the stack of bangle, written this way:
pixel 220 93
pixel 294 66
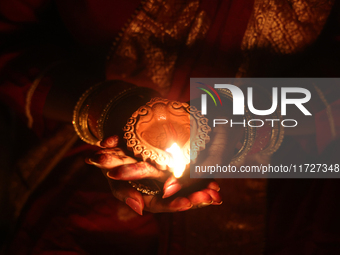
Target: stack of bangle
pixel 273 132
pixel 249 132
pixel 103 109
pixel 264 140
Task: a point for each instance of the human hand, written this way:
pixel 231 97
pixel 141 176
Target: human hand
pixel 219 151
pixel 120 168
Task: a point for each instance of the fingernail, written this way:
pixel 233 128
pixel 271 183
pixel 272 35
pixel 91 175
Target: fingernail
pixel 112 175
pixel 217 203
pixel 134 205
pixel 172 189
pixel 201 205
pixel 111 141
pixel 100 159
pixel 125 171
pixel 171 181
pixel 214 186
pixel 185 208
pixel 92 161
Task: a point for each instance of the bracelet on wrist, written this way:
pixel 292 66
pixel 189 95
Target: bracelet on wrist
pixel 103 109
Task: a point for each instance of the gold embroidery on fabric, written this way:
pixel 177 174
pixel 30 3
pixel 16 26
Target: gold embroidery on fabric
pixel 285 27
pixel 149 47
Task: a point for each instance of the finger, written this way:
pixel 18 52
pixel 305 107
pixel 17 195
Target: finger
pixel 215 195
pixel 137 171
pixel 135 200
pixel 110 142
pixel 197 199
pixel 200 199
pixel 124 192
pixel 156 204
pixel 110 158
pixel 172 185
pixel 214 186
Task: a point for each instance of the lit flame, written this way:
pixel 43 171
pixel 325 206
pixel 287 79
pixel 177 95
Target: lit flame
pixel 177 163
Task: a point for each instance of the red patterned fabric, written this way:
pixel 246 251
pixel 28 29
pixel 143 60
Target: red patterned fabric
pixel 83 217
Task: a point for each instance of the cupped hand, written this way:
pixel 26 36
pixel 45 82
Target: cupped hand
pixel 220 150
pixel 120 168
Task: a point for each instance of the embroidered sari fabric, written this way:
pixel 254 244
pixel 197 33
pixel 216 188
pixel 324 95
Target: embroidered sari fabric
pixel 66 207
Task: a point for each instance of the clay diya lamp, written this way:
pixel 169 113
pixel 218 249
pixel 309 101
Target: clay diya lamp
pixel 167 134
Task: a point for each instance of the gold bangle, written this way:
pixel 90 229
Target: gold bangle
pixel 277 132
pixel 277 136
pixel 97 103
pixel 249 132
pixel 80 115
